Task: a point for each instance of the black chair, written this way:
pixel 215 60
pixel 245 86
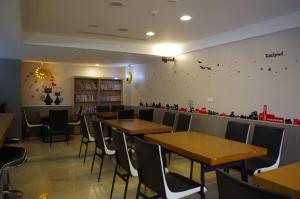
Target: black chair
pixel 57 125
pixel 116 108
pixel 231 188
pixel 272 139
pixel 146 114
pixel 169 118
pixel 102 108
pixel 101 149
pixel 29 125
pixel 10 157
pixel 123 161
pixel 3 107
pixel 183 122
pixel 86 136
pixel 152 174
pixel 72 124
pixel 126 114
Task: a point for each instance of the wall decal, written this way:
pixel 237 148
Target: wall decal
pixel 269 69
pixel 261 69
pixel 273 55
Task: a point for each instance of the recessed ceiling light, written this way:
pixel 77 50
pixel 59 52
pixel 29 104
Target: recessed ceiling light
pixel 123 29
pixel 116 4
pixel 150 34
pixel 185 18
pixel 97 64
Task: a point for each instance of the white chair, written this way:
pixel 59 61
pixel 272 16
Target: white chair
pixel 30 125
pixel 86 136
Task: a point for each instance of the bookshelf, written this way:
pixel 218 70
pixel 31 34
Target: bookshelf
pixel 91 92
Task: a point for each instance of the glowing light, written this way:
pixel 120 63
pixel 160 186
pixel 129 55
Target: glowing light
pixel 97 65
pixel 150 34
pixel 167 50
pixel 185 18
pixel 40 73
pixel 129 77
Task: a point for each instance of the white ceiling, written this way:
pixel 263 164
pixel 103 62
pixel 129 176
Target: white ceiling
pixel 53 29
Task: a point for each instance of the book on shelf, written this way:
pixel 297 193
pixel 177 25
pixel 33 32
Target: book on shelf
pixel 85 98
pixel 86 85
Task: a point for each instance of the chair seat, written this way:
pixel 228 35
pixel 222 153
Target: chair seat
pixel 34 125
pixel 257 163
pixel 179 183
pixel 12 156
pixel 75 123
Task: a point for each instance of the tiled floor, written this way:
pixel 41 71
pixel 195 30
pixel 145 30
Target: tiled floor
pixel 59 172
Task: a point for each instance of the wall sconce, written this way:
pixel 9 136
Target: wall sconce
pixel 129 77
pixel 40 72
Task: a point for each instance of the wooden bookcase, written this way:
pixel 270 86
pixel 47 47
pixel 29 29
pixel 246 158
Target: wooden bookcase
pixel 91 92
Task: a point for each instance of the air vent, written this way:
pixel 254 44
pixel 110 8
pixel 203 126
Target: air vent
pixel 123 29
pixel 93 26
pixel 112 35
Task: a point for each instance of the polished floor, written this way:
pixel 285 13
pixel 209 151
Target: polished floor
pixel 58 172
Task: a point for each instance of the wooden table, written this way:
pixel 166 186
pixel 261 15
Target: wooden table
pixel 6 120
pixel 208 150
pixel 285 180
pixel 137 126
pixel 45 115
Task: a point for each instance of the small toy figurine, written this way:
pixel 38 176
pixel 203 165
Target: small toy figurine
pixel 147 104
pixel 141 104
pixel 232 114
pixel 288 121
pixel 167 106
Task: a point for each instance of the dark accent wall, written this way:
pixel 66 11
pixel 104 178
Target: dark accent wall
pixel 10 92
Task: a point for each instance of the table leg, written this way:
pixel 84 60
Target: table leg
pixel 244 174
pixel 202 177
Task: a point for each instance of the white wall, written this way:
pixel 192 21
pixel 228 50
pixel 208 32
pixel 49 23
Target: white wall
pixel 32 88
pixel 237 84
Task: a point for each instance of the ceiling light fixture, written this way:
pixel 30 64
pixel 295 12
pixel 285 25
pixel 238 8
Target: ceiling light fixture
pixel 93 26
pixel 123 29
pixel 97 65
pixel 116 4
pixel 185 18
pixel 150 34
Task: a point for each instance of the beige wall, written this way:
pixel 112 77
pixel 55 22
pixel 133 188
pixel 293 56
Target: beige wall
pixel 63 73
pixel 237 84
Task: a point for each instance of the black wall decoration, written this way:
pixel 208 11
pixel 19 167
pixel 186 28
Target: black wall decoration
pixel 273 55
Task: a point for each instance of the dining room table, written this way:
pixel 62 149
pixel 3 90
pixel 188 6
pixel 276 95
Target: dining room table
pixel 210 151
pixel 137 127
pixel 285 179
pixel 6 119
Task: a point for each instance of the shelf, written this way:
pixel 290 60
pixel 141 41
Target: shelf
pixel 87 90
pixel 87 102
pixel 110 89
pixel 110 101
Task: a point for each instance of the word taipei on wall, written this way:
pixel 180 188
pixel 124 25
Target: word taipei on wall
pixel 274 55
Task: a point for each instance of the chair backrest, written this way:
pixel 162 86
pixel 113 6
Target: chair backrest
pixel 270 138
pixel 84 127
pixel 58 120
pixel 25 117
pixel 103 108
pixel 122 152
pixel 146 114
pixel 230 188
pixel 183 122
pixel 99 138
pixel 3 107
pixel 115 108
pixel 237 131
pixel 169 118
pixel 126 114
pixel 79 113
pixel 150 165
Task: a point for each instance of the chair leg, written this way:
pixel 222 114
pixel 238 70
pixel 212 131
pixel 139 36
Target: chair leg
pixel 86 147
pixel 80 147
pixel 138 190
pixel 191 169
pixel 93 160
pixel 169 158
pixel 126 187
pixel 113 183
pixel 101 165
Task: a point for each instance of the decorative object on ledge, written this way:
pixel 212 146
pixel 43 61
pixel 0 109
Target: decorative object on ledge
pixel 58 99
pixel 296 121
pixel 47 99
pixel 264 116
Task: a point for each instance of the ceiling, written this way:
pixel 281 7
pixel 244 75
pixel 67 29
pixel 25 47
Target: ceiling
pixel 88 31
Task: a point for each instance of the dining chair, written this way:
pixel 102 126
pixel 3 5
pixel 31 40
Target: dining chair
pixel 57 125
pixel 232 188
pixel 146 114
pixel 86 136
pixel 126 114
pixel 272 139
pixel 116 108
pixel 123 161
pixel 72 124
pixel 29 125
pixel 235 131
pixel 102 148
pixel 102 108
pixel 169 118
pixel 152 174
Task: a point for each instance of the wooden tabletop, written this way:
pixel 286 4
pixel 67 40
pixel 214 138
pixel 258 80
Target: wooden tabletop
pixel 285 180
pixel 6 120
pixel 45 115
pixel 107 115
pixel 138 127
pixel 205 148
